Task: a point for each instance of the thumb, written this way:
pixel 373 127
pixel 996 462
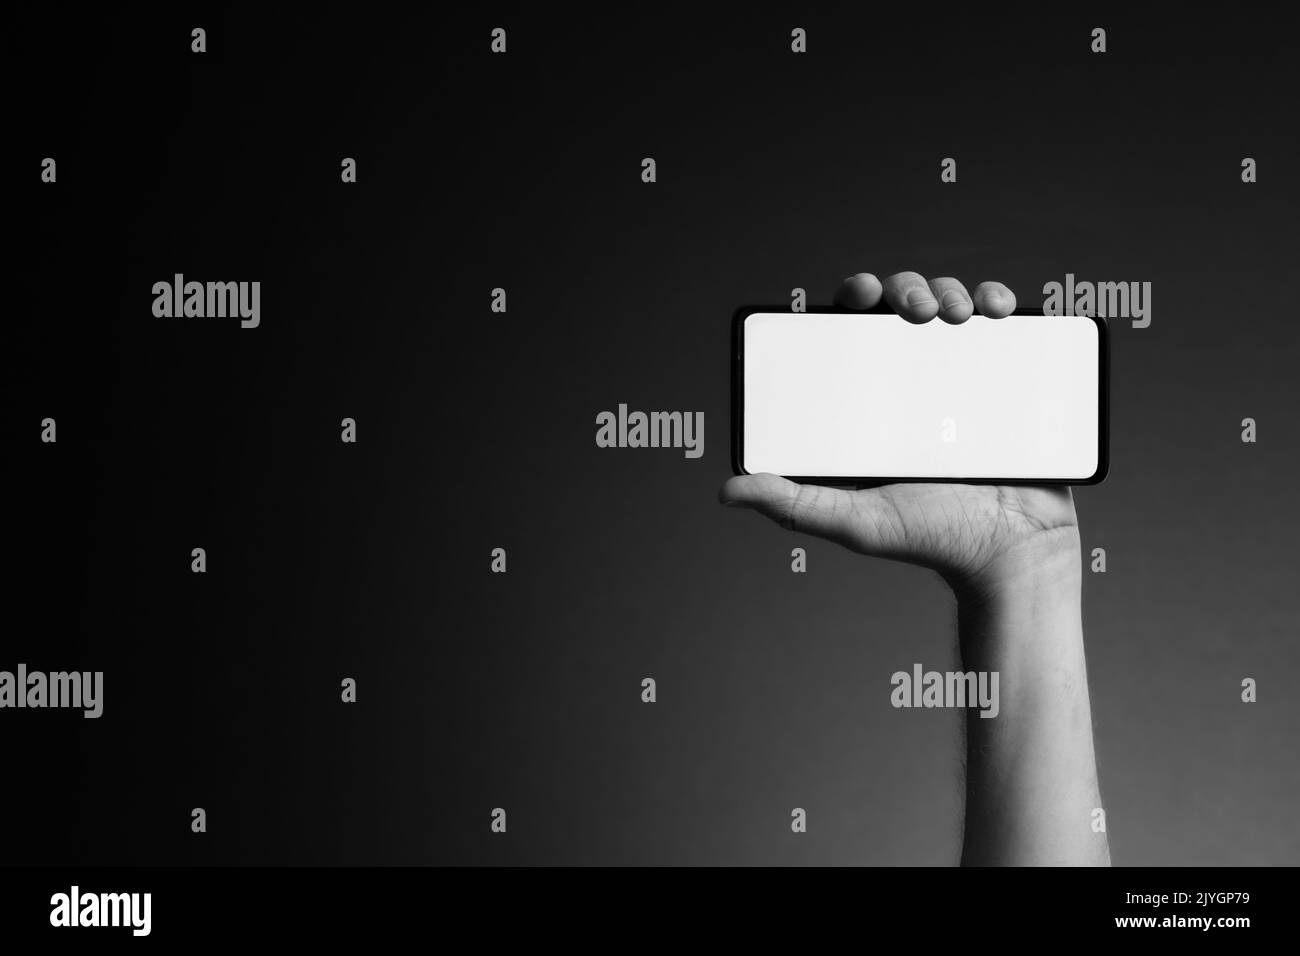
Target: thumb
pixel 831 513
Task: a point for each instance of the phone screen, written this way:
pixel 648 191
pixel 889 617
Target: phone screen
pixel 858 396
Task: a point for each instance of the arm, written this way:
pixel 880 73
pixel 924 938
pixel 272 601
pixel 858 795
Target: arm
pixel 1012 557
pixel 1031 776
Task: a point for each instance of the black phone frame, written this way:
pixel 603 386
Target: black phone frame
pixel 738 405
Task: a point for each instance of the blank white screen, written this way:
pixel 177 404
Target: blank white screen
pixel 874 396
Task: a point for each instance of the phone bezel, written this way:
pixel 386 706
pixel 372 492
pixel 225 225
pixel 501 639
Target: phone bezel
pixel 738 405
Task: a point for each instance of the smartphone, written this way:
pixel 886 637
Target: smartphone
pixel 832 396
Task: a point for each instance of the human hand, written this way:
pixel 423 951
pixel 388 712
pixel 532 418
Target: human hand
pixel 975 536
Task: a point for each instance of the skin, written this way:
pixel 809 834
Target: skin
pixel 1012 557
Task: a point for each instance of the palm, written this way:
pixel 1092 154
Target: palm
pixel 954 528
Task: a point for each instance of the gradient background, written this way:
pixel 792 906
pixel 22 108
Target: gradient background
pixel 476 430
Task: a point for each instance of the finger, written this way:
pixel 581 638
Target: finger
pixel 861 291
pixel 955 305
pixel 846 518
pixel 994 300
pixel 908 294
pixel 810 509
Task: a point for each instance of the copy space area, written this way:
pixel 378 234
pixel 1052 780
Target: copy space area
pixel 866 395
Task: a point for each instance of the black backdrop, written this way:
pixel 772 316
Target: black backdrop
pixel 476 430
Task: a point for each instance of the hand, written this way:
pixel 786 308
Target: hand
pixel 975 536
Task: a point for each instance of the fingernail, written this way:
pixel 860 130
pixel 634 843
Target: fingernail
pixel 919 297
pixel 952 299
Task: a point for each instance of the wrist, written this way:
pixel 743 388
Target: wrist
pixel 1030 593
pixel 1047 563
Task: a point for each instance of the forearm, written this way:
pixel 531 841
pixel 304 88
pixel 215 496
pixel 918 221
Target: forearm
pixel 1031 774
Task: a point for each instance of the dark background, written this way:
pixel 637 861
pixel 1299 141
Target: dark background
pixel 476 430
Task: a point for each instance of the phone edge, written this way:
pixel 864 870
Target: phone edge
pixel 737 374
